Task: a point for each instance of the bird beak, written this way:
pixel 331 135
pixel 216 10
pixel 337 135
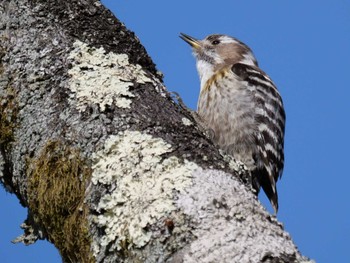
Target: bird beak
pixel 190 40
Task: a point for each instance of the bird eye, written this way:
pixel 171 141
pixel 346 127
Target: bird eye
pixel 215 42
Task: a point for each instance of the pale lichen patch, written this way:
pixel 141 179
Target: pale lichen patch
pixel 234 164
pixel 102 78
pixel 186 121
pixel 143 184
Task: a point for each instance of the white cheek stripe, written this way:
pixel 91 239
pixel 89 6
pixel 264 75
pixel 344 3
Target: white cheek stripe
pixel 226 39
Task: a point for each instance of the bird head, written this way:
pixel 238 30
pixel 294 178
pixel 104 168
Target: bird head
pixel 217 51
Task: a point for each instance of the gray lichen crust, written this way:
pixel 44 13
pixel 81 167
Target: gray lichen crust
pixel 232 214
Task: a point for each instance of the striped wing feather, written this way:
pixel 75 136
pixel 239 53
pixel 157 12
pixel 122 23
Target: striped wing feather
pixel 270 121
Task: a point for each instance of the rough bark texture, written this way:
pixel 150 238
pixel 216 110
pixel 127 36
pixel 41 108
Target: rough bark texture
pixel 110 167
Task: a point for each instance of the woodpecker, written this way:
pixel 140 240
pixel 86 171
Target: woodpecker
pixel 242 107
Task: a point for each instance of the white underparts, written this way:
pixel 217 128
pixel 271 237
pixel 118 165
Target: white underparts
pixel 205 71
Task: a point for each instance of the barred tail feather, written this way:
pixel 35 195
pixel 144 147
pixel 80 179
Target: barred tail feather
pixel 262 179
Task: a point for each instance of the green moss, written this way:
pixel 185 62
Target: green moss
pixel 2 54
pixel 8 117
pixel 57 182
pixel 8 123
pixel 8 109
pixel 124 251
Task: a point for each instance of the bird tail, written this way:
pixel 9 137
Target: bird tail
pixel 261 178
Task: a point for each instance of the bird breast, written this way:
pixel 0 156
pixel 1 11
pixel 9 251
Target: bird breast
pixel 227 108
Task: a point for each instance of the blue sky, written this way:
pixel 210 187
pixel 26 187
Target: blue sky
pixel 304 47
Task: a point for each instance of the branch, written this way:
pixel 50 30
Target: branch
pixel 110 167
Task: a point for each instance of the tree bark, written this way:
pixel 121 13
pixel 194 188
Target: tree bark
pixel 110 167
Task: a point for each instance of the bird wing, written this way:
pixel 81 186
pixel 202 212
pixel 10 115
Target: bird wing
pixel 270 121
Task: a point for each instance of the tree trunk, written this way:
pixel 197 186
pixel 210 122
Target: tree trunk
pixel 110 167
